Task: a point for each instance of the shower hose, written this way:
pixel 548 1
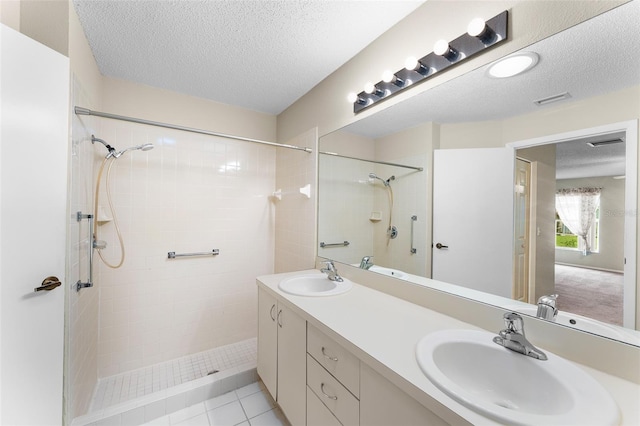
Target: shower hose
pixel 109 160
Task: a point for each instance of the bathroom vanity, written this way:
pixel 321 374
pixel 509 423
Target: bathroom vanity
pixel 351 359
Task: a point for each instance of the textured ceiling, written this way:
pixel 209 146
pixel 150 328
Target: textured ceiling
pixel 258 54
pixel 598 56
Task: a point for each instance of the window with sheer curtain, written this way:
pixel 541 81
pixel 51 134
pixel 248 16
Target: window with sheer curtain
pixel 577 212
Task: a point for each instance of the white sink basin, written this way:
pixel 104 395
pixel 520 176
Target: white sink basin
pixel 388 271
pixel 314 285
pixel 509 387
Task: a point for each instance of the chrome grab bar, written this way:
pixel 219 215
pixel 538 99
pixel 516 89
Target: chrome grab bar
pixel 414 218
pixel 173 254
pixel 343 244
pixel 80 285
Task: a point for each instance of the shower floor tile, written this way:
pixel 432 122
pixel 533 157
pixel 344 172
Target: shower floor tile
pixel 138 383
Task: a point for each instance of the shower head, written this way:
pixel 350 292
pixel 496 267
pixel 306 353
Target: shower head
pixel 384 182
pixel 143 147
pixel 109 147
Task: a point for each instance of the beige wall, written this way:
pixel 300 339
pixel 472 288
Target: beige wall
pixel 326 107
pixel 10 13
pixel 295 214
pixel 136 100
pixel 46 21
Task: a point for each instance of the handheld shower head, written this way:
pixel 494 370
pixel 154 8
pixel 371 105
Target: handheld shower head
pixel 384 182
pixel 143 147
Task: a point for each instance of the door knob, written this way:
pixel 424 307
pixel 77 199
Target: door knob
pixel 440 246
pixel 48 284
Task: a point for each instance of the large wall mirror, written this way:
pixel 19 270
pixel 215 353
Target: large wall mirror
pixel 459 188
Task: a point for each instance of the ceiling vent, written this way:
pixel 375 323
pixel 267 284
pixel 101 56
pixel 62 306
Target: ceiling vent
pixel 604 143
pixel 551 99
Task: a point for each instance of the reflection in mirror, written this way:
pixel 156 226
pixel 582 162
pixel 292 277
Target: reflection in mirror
pixel 376 215
pixel 475 111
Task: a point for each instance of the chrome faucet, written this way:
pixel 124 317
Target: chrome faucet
pixel 547 307
pixel 366 262
pixel 512 337
pixel 331 271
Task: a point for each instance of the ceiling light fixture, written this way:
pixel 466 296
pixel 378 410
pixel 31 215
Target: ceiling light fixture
pixel 371 89
pixel 354 98
pixel 389 77
pixel 444 49
pixel 413 64
pixel 479 28
pixel 513 65
pixel 480 36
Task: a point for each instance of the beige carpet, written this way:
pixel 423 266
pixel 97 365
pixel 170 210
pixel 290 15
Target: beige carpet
pixel 591 293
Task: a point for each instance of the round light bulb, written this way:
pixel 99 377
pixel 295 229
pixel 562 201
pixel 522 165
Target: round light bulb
pixel 369 88
pixel 441 47
pixel 387 76
pixel 411 63
pixel 352 97
pixel 476 27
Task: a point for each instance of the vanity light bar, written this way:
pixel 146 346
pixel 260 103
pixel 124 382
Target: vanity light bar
pixel 445 55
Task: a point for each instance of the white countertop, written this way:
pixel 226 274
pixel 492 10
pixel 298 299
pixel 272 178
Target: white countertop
pixel 383 330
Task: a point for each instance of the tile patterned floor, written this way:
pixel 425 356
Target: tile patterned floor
pixel 248 406
pixel 138 383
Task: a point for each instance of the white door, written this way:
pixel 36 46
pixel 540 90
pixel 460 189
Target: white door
pixel 521 231
pixel 473 218
pixel 34 93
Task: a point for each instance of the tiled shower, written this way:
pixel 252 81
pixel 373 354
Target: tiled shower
pixel 191 193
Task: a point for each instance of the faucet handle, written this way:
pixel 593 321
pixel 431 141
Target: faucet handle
pixel 547 308
pixel 549 300
pixel 513 323
pixel 330 265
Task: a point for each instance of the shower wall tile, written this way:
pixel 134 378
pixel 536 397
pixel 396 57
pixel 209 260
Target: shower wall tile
pixel 191 193
pixel 295 219
pixel 346 202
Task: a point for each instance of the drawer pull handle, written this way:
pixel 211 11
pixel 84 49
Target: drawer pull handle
pixel 334 398
pixel 332 358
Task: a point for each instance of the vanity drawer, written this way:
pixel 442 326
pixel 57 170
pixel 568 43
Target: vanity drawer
pixel 333 395
pixel 336 359
pixel 317 413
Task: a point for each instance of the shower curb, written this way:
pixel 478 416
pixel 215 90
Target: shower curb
pixel 158 404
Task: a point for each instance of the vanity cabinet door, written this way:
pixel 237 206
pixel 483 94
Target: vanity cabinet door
pixel 268 341
pixel 282 356
pixel 382 403
pixel 292 365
